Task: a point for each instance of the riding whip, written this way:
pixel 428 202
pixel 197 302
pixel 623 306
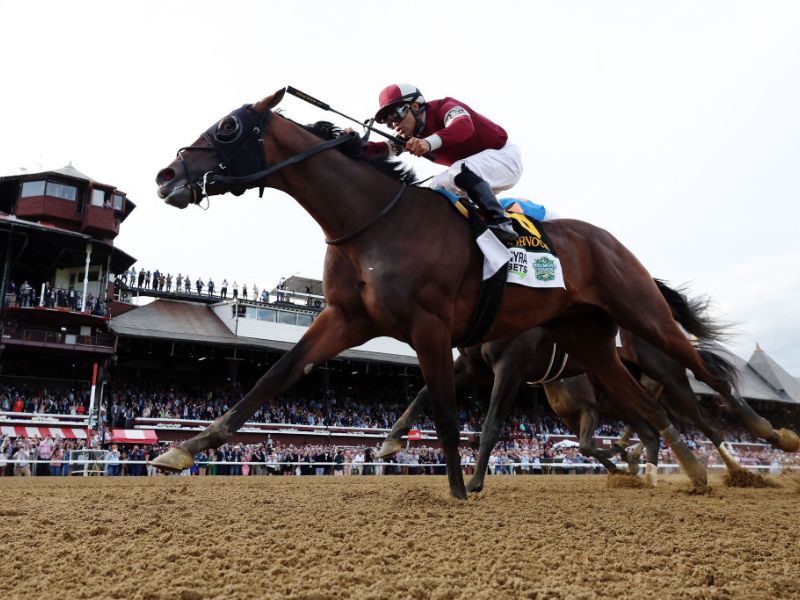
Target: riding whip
pixel 325 106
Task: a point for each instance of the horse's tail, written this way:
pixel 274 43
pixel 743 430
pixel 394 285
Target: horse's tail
pixel 690 313
pixel 720 366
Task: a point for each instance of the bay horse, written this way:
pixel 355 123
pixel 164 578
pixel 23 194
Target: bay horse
pixel 402 263
pixel 525 358
pixel 510 363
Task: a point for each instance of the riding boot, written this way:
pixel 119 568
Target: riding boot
pixel 481 194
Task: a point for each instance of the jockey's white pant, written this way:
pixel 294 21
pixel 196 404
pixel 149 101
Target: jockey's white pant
pixel 501 169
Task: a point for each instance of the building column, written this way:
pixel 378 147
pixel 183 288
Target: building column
pixel 86 275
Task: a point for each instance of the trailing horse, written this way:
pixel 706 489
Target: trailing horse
pixel 416 276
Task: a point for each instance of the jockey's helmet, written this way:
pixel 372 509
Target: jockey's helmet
pixel 395 95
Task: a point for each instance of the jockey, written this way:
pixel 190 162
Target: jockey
pixel 479 157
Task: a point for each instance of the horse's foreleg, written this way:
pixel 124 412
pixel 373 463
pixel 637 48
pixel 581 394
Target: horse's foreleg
pixel 589 420
pixel 430 337
pixel 329 334
pixel 504 391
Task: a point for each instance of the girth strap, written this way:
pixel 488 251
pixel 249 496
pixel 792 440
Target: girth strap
pixel 558 362
pixel 489 296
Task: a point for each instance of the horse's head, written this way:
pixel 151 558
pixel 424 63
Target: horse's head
pixel 232 148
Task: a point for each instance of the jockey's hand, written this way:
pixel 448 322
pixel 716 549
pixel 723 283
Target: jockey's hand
pixel 418 147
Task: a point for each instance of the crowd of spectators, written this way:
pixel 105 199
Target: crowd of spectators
pixel 527 441
pixel 27 399
pixel 372 407
pixel 183 285
pixel 25 456
pixel 28 296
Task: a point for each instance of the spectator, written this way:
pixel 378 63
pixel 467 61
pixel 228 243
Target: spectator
pixel 112 469
pixel 45 452
pixel 22 456
pixel 6 450
pixel 199 285
pixel 56 461
pixel 224 289
pixel 235 290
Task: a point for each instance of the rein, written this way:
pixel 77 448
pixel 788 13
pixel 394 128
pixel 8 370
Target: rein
pixel 378 217
pixel 228 145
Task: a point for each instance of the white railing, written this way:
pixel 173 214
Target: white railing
pixel 26 418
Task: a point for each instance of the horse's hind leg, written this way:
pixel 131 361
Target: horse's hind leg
pixel 650 318
pixel 330 334
pixel 596 349
pixel 507 380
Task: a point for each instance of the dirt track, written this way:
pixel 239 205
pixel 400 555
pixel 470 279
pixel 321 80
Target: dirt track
pixel 393 537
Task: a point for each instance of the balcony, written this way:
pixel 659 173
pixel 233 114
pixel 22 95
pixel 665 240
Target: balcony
pixel 102 343
pixel 100 220
pixel 49 209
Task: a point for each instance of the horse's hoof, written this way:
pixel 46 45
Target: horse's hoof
pixel 700 487
pixel 173 460
pixel 473 487
pixel 389 448
pixel 787 441
pixel 650 475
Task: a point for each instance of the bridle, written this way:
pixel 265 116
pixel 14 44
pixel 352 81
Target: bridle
pixel 237 144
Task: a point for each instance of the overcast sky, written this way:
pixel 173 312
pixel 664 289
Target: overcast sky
pixel 674 125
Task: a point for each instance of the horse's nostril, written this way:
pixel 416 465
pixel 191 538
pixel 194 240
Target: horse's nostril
pixel 164 176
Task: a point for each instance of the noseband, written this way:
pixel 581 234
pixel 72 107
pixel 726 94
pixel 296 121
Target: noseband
pixel 232 142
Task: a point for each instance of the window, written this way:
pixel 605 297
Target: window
pixel 304 320
pixel 61 190
pixel 251 312
pixel 98 197
pixel 118 201
pixel 32 188
pixel 266 314
pixel 288 318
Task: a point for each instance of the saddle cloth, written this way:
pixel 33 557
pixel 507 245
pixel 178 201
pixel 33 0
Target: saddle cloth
pixel 532 261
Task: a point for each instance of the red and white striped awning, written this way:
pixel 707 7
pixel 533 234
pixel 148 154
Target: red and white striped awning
pixel 69 433
pixel 134 436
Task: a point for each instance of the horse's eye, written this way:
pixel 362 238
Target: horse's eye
pixel 228 129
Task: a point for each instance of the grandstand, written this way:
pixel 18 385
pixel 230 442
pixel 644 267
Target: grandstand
pixel 79 329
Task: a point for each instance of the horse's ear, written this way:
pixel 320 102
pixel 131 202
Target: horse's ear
pixel 270 101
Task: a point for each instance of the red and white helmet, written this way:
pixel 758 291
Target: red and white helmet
pixel 394 95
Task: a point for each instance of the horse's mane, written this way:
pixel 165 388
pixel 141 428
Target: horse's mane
pixel 356 149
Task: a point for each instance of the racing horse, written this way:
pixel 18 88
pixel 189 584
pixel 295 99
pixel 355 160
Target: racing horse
pixel 530 356
pixel 402 263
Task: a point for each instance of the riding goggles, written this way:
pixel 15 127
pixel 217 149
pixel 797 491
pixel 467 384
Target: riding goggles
pixel 395 114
